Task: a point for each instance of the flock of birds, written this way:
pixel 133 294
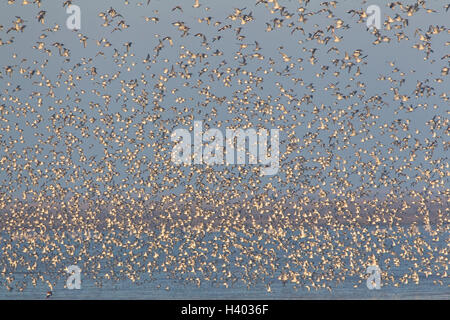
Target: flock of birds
pixel 86 118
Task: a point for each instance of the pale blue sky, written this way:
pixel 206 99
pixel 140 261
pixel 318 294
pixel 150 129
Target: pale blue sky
pixel 142 35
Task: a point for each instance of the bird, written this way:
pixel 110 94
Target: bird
pixel 40 16
pixel 88 179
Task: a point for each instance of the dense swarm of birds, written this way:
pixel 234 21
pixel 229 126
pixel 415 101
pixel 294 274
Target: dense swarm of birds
pixel 86 117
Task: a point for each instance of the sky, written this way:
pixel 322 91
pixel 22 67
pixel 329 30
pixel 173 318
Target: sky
pixel 151 147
